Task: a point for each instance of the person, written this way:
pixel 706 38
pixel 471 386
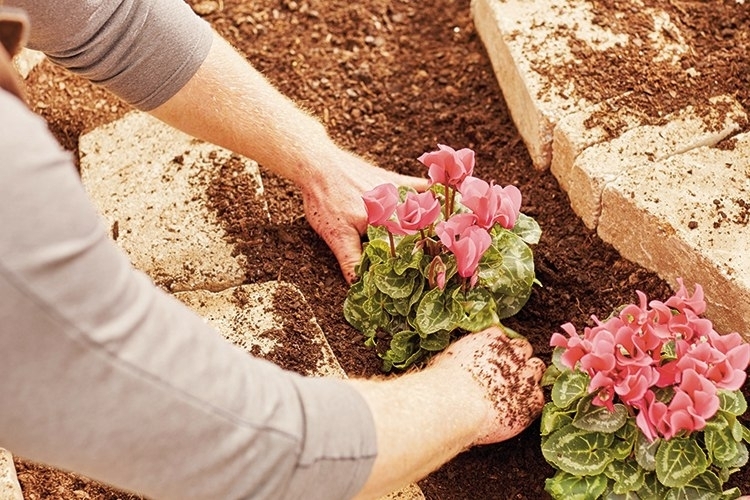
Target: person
pixel 107 375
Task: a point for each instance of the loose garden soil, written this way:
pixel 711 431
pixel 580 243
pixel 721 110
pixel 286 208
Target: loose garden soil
pixel 391 79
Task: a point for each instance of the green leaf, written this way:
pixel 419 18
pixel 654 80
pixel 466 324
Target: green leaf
pixel 630 495
pixel 622 449
pixel 652 488
pixel 679 461
pixel 553 418
pixel 507 271
pixel 550 375
pixel 626 474
pixel 731 494
pixel 732 402
pixel 570 386
pixel 478 309
pixel 705 486
pixel 363 307
pixel 564 486
pixel 578 452
pixel 557 353
pixel 394 285
pixel 625 438
pixel 403 344
pixel 645 451
pixel 406 257
pixel 721 445
pixel 436 341
pixel 436 312
pixel 527 229
pixel 598 418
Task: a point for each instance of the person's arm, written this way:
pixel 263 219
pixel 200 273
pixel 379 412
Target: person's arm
pixel 231 104
pixel 483 389
pixel 162 58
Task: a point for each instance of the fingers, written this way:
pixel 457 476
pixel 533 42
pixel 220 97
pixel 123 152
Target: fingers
pixel 347 248
pixel 537 367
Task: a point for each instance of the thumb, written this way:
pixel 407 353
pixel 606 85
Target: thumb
pixel 347 248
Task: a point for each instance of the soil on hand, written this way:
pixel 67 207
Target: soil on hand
pixel 391 79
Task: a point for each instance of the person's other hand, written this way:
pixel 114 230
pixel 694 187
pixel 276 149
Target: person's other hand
pixel 334 207
pixel 508 376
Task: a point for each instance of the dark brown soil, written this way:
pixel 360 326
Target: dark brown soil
pixel 391 79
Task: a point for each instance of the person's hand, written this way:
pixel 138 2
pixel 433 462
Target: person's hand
pixel 508 376
pixel 334 207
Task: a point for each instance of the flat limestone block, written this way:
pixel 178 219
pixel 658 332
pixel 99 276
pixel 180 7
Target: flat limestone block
pixel 602 163
pixel 10 489
pixel 151 185
pixel 529 42
pixel 577 131
pixel 689 216
pixel 26 60
pixel 268 320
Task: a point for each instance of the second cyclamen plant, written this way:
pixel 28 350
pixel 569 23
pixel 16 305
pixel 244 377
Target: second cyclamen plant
pixel 449 260
pixel 646 404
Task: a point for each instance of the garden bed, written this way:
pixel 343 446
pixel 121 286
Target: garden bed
pixel 391 79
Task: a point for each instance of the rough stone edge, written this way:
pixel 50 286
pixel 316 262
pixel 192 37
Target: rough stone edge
pixel 586 183
pixel 531 122
pixel 26 61
pixel 10 488
pixel 659 246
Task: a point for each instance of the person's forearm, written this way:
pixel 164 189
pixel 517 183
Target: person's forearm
pixel 229 103
pixel 422 420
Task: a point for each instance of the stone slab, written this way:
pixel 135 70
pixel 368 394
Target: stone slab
pixel 27 60
pixel 10 489
pixel 253 317
pixel 150 183
pixel 258 317
pixel 590 171
pixel 689 216
pixel 524 37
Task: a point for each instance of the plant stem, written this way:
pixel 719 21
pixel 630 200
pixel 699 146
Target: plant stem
pixel 393 245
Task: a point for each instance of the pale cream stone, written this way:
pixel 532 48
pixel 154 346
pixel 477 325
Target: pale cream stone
pixel 10 489
pixel 245 316
pixel 689 216
pixel 523 36
pixel 577 131
pixel 604 162
pixel 150 182
pixel 27 60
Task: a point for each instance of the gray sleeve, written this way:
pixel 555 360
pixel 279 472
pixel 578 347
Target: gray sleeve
pixel 105 374
pixel 142 50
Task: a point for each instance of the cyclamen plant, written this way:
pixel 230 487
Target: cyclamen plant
pixel 645 405
pixel 450 260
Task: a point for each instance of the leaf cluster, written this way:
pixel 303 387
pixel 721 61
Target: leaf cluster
pixel 402 312
pixel 600 453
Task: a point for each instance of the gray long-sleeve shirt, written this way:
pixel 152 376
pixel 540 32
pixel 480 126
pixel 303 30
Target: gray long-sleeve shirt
pixel 142 50
pixel 102 372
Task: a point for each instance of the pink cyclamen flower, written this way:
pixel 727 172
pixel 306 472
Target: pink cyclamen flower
pixel 380 203
pixel 447 166
pixel 694 402
pixel 682 300
pixel 491 203
pixel 466 241
pixel 575 346
pixel 418 211
pixel 450 230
